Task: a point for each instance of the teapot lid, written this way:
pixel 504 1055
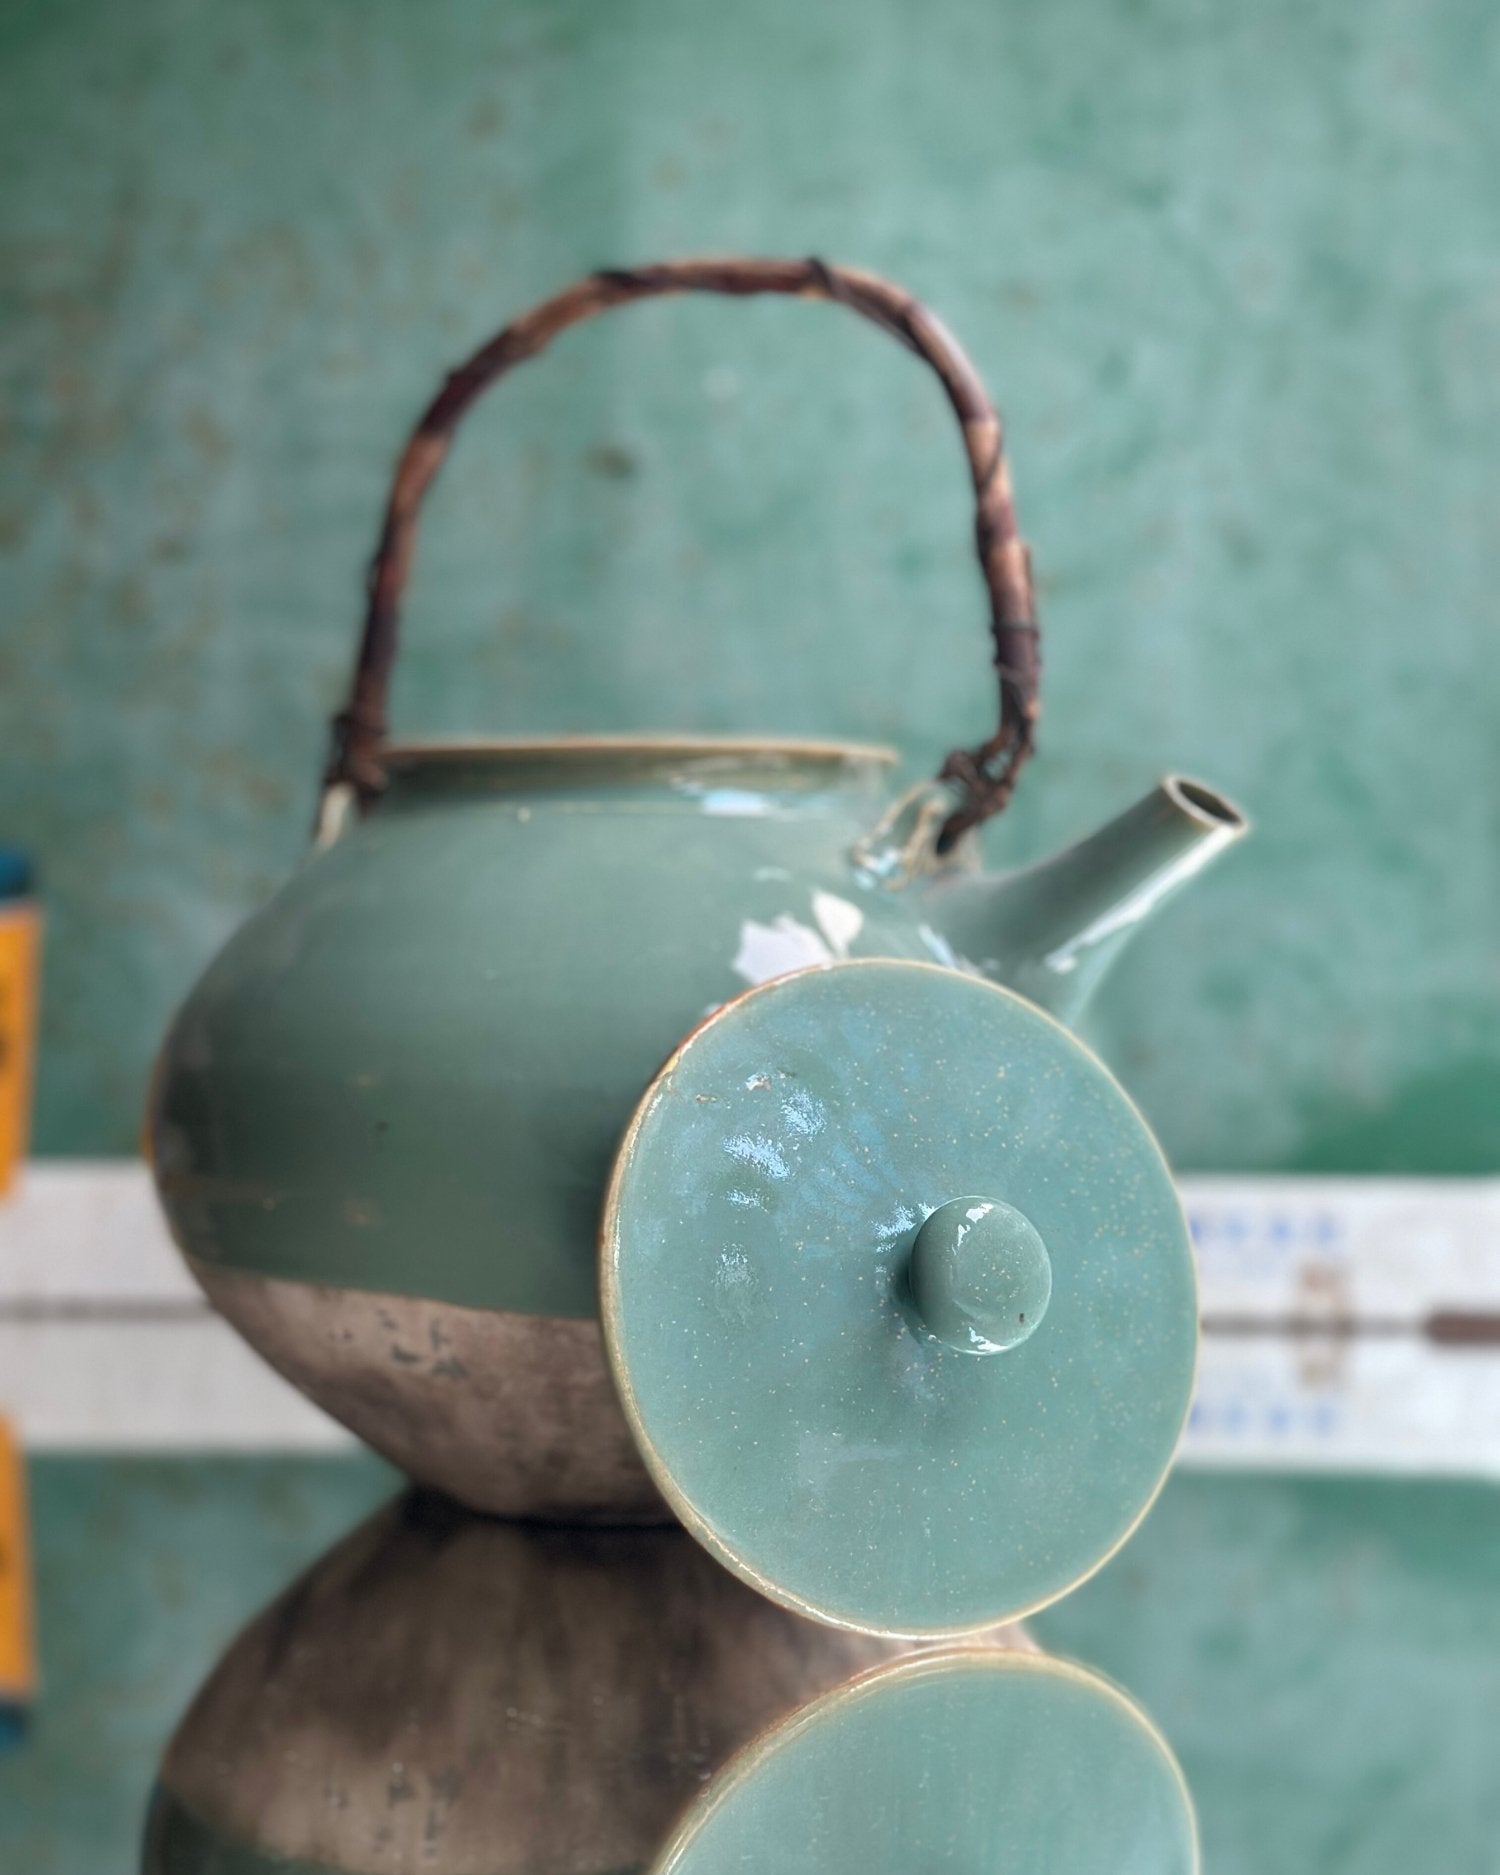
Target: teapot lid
pixel 899 1298
pixel 965 1759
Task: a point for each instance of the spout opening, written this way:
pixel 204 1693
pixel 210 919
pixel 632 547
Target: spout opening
pixel 1205 805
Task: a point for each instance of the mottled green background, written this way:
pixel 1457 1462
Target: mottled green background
pixel 1234 273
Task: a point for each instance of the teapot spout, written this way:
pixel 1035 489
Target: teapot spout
pixel 1051 931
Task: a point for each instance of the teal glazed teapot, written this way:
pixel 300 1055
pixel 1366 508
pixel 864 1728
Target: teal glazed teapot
pixel 384 1122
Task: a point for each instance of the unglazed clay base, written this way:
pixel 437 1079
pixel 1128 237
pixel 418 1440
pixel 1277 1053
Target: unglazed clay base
pixel 511 1414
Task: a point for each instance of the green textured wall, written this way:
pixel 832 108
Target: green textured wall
pixel 1233 271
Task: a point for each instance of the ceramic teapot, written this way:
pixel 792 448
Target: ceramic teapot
pixel 384 1121
pixel 476 1697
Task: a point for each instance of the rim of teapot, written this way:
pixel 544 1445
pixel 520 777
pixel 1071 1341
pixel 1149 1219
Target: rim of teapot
pixel 532 748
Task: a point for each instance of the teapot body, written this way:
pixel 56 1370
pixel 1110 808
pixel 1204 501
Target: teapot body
pixel 382 1122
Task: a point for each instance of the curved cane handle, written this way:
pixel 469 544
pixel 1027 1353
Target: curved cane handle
pixel 987 774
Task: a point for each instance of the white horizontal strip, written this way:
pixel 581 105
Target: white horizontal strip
pixel 106 1342
pixel 1350 1324
pixel 87 1228
pixel 133 1383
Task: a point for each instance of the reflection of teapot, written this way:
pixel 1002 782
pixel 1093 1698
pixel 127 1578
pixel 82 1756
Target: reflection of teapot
pixel 551 1698
pixel 384 1120
pixel 460 1693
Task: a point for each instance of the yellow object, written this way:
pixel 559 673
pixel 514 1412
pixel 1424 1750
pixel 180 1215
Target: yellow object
pixel 20 975
pixel 17 1640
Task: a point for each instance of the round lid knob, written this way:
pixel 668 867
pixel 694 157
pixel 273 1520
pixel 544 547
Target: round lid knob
pixel 796 1279
pixel 967 1760
pixel 979 1277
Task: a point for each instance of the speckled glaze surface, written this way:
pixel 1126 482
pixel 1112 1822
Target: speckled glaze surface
pixel 960 1761
pixel 875 1463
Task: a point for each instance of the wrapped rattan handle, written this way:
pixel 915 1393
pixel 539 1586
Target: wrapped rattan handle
pixel 986 775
